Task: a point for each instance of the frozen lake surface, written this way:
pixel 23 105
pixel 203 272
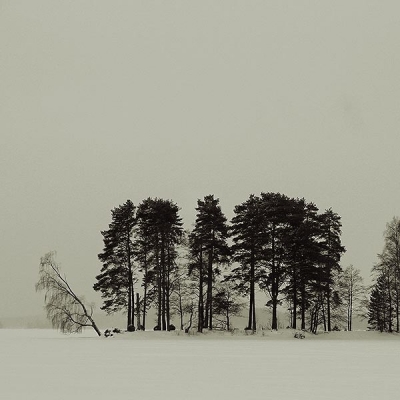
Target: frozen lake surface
pixel 44 364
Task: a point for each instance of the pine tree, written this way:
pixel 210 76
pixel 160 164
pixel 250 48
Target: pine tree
pixel 332 251
pixel 277 212
pixel 302 255
pixel 159 233
pixel 247 236
pixel 115 282
pixel 197 271
pixel 209 248
pixel 144 246
pixel 380 310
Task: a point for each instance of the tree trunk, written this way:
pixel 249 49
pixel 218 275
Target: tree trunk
pixel 274 314
pixel 181 311
pixel 145 295
pixel 159 294
pixel 274 284
pixel 294 306
pixel 201 299
pixel 250 321
pixel 303 305
pixel 130 284
pixel 137 311
pixel 328 303
pixel 252 312
pixel 163 284
pixel 209 289
pixel 167 288
pixel 95 326
pixel 323 313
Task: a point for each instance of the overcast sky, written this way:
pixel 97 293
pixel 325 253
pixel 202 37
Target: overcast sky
pixel 101 101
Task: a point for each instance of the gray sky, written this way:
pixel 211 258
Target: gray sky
pixel 101 101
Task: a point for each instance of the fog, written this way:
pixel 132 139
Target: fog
pixel 105 101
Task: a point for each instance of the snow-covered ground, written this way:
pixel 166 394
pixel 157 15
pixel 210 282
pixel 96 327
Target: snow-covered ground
pixel 44 364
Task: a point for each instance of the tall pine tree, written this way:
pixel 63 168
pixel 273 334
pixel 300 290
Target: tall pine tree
pixel 209 246
pixel 115 281
pixel 247 236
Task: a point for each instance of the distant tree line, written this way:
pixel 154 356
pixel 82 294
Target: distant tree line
pixel 276 244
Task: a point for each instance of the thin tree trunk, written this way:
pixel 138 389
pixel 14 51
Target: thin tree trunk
pixel 303 305
pixel 252 324
pixel 274 290
pixel 254 327
pixel 168 288
pixel 93 324
pixel 201 299
pixel 145 293
pixel 137 311
pixel 250 321
pixel 163 284
pixel 328 303
pixel 274 314
pixel 130 283
pixel 323 313
pixel 158 287
pixel 294 306
pixel 209 315
pixel 181 310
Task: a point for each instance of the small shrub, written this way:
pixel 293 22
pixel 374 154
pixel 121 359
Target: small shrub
pixel 299 335
pixel 108 333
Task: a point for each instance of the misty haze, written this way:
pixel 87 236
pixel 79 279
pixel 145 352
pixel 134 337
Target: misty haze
pixel 199 199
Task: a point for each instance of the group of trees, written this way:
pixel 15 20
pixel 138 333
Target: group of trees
pixel 286 248
pixel 141 240
pixel 274 244
pixel 282 246
pixel 384 304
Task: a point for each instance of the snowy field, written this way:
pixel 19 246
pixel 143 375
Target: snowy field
pixel 44 364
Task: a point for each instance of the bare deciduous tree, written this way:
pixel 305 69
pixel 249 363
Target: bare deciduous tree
pixel 64 308
pixel 353 292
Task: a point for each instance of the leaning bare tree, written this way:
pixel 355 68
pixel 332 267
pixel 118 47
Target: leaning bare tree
pixel 64 308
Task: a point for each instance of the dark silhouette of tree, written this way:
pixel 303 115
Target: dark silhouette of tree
pixel 277 212
pixel 145 241
pixel 247 235
pixel 115 281
pixel 197 271
pixel 286 249
pixel 302 255
pixel 66 311
pixel 208 243
pixel 331 251
pixel 380 310
pixel 160 232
